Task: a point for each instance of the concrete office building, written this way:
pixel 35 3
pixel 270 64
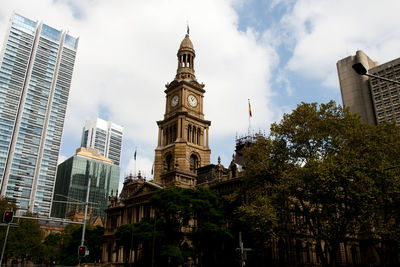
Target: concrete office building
pixel 37 62
pixel 72 182
pixel 375 100
pixel 104 136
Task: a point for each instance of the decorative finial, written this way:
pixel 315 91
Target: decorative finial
pixel 187 25
pixel 219 160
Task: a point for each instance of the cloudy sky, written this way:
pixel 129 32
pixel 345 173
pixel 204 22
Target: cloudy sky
pixel 277 53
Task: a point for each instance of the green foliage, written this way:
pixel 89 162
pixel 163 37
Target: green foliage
pixel 50 249
pixel 71 240
pixel 172 255
pixel 188 223
pixel 323 171
pixel 25 241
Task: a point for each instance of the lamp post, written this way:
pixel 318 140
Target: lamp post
pixel 360 68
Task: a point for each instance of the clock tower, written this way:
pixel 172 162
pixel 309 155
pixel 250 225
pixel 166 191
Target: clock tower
pixel 183 133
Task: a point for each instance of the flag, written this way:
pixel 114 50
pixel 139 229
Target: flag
pixel 250 109
pixel 134 155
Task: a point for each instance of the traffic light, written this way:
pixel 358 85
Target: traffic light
pixel 82 251
pixel 8 216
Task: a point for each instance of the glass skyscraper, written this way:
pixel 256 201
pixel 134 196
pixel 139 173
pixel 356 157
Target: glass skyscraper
pixel 35 77
pixel 104 136
pixel 72 181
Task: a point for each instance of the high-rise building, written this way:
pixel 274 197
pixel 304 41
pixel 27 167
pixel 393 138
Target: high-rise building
pixel 104 136
pixel 35 77
pixel 374 99
pixel 72 182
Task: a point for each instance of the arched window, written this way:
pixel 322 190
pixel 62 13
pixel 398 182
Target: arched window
pixel 168 162
pixel 194 162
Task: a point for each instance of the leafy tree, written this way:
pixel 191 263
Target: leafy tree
pixel 382 225
pixel 140 234
pixel 71 240
pixel 191 216
pixel 51 249
pixel 25 241
pixel 323 172
pixel 188 225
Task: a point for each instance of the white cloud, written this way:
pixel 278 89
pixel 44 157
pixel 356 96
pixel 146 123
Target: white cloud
pixel 127 53
pixel 61 159
pixel 321 32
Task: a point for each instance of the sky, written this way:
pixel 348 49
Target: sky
pixel 277 53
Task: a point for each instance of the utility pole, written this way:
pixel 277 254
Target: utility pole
pixel 242 251
pixel 9 220
pixel 84 220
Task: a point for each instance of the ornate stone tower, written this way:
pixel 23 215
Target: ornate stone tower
pixel 183 133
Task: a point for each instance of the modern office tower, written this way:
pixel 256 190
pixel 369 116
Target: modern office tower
pixel 72 182
pixel 35 77
pixel 375 100
pixel 104 136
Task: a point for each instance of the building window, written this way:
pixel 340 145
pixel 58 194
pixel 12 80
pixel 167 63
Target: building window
pixel 168 162
pixel 194 161
pixel 194 135
pixel 189 133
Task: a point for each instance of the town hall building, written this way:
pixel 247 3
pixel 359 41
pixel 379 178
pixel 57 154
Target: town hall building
pixel 182 158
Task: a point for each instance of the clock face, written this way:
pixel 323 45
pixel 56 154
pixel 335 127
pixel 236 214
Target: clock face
pixel 192 100
pixel 175 100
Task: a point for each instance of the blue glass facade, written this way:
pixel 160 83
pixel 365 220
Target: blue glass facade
pixel 72 181
pixel 35 77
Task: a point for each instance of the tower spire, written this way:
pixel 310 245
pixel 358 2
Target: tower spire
pixel 186 57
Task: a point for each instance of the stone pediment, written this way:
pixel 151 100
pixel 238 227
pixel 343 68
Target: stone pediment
pixel 139 188
pixel 147 188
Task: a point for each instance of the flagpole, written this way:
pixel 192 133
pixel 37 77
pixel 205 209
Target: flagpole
pixel 134 159
pixel 249 130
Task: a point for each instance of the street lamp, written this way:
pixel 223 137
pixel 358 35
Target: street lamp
pixel 359 67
